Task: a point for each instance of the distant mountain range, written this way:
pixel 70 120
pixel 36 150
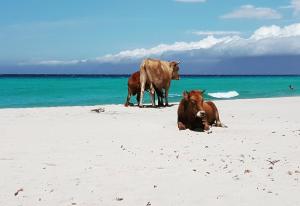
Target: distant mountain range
pixel 249 65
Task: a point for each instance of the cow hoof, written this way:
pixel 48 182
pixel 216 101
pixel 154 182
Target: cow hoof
pixel 129 104
pixel 221 125
pixel 206 128
pixel 181 126
pixel 224 126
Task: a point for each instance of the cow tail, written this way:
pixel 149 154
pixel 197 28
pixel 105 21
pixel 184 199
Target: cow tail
pixel 143 73
pixel 142 81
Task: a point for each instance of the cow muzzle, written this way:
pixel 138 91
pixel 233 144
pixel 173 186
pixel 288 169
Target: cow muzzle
pixel 200 114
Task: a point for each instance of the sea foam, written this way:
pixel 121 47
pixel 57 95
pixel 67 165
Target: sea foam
pixel 224 95
pixel 175 95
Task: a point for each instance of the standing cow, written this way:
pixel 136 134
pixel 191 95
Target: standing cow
pixel 158 74
pixel 134 88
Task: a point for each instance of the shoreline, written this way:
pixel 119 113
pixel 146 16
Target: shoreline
pixel 127 75
pixel 147 104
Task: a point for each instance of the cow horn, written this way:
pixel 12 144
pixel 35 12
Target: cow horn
pixel 185 95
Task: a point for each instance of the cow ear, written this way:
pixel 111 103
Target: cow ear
pixel 175 62
pixel 185 95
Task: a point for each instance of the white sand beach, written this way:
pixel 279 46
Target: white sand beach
pixel 132 156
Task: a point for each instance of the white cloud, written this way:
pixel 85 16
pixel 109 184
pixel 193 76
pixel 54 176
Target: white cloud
pixel 61 62
pixel 286 7
pixel 251 12
pixel 55 62
pixel 267 40
pixel 190 1
pixel 296 6
pixel 205 43
pixel 276 32
pixel 217 33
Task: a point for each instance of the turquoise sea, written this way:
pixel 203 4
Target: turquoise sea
pixel 44 91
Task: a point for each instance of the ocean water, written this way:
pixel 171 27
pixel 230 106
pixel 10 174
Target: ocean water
pixel 44 91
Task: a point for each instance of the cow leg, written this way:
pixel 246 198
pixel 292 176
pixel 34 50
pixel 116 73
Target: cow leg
pixel 205 124
pixel 152 93
pixel 128 98
pixel 217 116
pixel 206 127
pixel 159 94
pixel 181 126
pixel 218 122
pixel 138 95
pixel 166 96
pixel 154 98
pixel 141 95
pixel 143 83
pixel 161 98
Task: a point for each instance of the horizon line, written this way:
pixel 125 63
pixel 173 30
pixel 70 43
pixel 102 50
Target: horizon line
pixel 128 74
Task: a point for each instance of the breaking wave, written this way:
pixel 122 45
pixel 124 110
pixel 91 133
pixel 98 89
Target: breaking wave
pixel 175 95
pixel 224 95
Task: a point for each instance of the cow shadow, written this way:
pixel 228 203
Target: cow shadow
pixel 197 130
pixel 151 107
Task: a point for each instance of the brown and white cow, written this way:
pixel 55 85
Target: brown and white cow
pixel 196 114
pixel 158 74
pixel 134 88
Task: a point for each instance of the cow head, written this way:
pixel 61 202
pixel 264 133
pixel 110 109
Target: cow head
pixel 175 69
pixel 195 101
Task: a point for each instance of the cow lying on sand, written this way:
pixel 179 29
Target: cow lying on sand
pixel 195 114
pixel 134 88
pixel 158 74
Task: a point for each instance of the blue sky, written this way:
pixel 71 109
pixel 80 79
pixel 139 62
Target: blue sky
pixel 35 31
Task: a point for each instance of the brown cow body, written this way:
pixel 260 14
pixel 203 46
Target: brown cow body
pixel 157 74
pixel 134 88
pixel 195 114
